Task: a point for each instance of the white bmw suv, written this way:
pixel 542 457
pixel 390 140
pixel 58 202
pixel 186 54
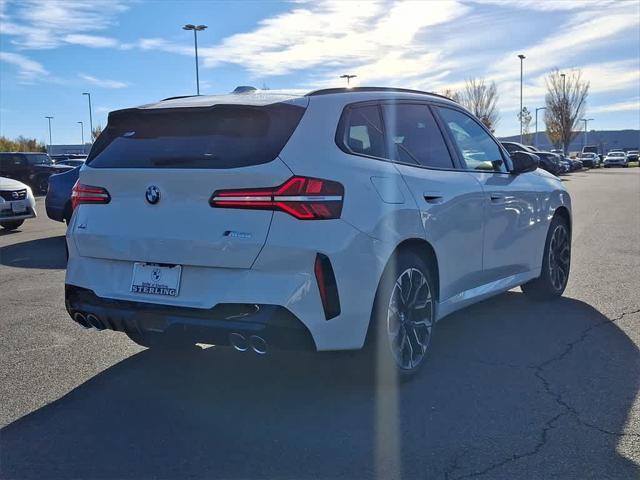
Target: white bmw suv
pixel 327 221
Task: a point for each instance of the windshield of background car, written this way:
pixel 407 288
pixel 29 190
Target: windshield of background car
pixel 223 136
pixel 36 159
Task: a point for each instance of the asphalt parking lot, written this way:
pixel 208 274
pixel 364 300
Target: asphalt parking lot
pixel 514 389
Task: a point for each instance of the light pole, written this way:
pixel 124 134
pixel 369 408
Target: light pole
pixel 564 106
pixel 348 77
pixel 90 115
pixel 585 120
pixel 50 141
pixel 521 57
pixel 535 139
pixel 196 29
pixel 81 131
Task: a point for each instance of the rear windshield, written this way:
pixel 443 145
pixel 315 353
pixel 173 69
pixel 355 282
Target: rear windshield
pixel 223 136
pixel 38 159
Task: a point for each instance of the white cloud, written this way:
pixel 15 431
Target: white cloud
pixel 28 70
pixel 43 24
pixel 102 82
pixel 372 37
pixel 92 41
pixel 585 30
pixel 631 105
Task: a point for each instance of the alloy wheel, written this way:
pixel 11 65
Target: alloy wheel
pixel 410 318
pixel 559 257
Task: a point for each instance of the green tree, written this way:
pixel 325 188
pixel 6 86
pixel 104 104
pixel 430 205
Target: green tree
pixel 21 144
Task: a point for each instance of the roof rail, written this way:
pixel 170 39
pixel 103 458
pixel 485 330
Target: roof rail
pixel 329 91
pixel 179 96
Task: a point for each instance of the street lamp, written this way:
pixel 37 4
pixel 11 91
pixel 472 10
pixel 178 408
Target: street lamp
pixel 196 29
pixel 81 132
pixel 585 120
pixel 348 77
pixel 521 57
pixel 535 140
pixel 90 115
pixel 50 141
pixel 564 106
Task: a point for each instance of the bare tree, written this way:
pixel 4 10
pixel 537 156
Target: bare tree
pixel 95 133
pixel 565 101
pixel 481 99
pixel 525 116
pixel 451 94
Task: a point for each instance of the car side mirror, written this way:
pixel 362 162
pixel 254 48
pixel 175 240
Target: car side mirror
pixel 524 162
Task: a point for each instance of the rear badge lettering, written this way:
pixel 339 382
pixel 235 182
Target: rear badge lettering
pixel 232 234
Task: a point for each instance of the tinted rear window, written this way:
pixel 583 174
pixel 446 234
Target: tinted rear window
pixel 223 136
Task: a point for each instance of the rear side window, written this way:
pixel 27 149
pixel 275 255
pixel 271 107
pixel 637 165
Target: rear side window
pixel 363 131
pixel 415 137
pixel 223 136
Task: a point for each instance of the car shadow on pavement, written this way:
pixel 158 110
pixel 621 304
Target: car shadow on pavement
pixel 46 253
pixel 514 389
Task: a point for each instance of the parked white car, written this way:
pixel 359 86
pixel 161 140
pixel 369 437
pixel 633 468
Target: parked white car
pixel 16 203
pixel 616 159
pixel 328 221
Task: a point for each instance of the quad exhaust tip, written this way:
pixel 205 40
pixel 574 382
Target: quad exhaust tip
pixel 94 321
pixel 239 342
pixel 242 343
pixel 81 319
pixel 258 344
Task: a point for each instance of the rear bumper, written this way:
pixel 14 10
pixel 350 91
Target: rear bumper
pixel 277 325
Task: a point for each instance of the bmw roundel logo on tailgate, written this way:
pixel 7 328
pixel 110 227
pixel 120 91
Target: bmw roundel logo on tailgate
pixel 153 194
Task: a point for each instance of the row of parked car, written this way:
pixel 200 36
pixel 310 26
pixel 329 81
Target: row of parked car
pixel 23 173
pixel 556 162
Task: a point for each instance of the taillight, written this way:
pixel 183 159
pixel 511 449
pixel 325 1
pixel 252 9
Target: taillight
pixel 88 194
pixel 303 197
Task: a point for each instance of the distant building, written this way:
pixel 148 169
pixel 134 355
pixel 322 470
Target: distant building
pixel 606 140
pixel 69 149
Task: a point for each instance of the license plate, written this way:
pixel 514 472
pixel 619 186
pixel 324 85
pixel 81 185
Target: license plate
pixel 153 279
pixel 19 207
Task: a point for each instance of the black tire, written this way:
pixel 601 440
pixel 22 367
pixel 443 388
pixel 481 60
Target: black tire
pixel 161 342
pixel 42 184
pixel 406 275
pixel 12 224
pixel 556 263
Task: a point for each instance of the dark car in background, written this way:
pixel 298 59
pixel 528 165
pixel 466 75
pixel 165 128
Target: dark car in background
pixel 34 169
pixel 548 161
pixel 73 162
pixel 590 160
pixel 632 155
pixel 58 201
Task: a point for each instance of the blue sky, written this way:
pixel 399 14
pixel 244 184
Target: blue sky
pixel 128 53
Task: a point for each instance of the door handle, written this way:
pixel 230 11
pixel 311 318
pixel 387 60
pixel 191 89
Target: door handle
pixel 433 197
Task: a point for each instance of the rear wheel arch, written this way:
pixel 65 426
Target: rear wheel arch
pixel 422 249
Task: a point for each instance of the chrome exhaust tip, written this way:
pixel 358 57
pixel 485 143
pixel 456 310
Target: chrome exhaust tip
pixel 94 321
pixel 238 341
pixel 258 344
pixel 81 319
